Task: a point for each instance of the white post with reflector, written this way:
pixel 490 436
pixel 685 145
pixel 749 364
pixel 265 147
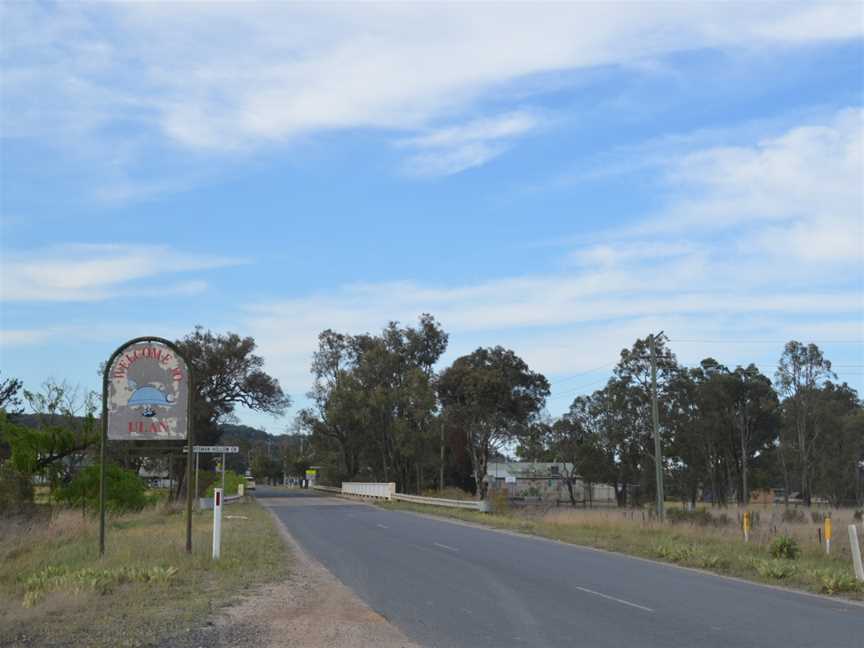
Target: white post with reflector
pixel 217 522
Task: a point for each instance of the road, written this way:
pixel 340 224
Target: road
pixel 446 584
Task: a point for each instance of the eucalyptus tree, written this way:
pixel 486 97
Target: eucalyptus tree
pixel 839 450
pixel 493 395
pixel 801 372
pixel 374 399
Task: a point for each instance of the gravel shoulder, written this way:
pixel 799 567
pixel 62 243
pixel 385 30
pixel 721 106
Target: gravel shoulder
pixel 310 609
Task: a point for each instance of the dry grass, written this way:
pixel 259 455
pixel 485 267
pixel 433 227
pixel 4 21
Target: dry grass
pixel 718 546
pixel 55 591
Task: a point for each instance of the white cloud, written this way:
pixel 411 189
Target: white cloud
pixel 229 76
pixel 795 196
pixel 449 150
pixel 98 272
pixel 24 337
pixel 755 242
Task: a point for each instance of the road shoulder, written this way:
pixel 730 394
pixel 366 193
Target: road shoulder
pixel 311 608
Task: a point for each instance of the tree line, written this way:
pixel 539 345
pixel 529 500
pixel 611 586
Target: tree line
pixel 380 411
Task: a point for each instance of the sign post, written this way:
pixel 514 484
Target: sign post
pixel 146 396
pixel 217 523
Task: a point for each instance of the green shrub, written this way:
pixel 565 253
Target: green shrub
pixel 785 547
pixel 713 561
pixel 56 577
pixel 776 569
pixel 676 552
pixel 793 515
pixel 125 491
pixel 232 481
pixel 836 581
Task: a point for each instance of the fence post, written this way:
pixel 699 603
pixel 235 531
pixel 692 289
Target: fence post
pixel 856 552
pixel 217 523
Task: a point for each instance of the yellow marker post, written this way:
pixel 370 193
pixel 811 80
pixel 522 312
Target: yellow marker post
pixel 746 525
pixel 827 535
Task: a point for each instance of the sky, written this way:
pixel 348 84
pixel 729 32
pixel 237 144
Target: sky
pixel 557 179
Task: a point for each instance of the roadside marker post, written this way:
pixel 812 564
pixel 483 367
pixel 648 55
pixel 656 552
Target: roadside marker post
pixel 746 524
pixel 217 523
pixel 828 535
pixel 856 552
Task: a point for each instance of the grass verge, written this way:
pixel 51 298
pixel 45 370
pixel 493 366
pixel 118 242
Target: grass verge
pixel 55 591
pixel 717 550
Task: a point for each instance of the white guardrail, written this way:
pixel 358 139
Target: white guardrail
pixel 388 491
pixel 472 505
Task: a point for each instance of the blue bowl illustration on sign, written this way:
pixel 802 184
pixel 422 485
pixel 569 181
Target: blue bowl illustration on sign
pixel 147 397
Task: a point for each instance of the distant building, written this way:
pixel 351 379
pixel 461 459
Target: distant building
pixel 543 480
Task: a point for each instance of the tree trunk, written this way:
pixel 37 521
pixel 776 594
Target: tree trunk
pixel 745 491
pixel 569 482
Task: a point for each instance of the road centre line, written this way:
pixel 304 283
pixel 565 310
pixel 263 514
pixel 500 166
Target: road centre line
pixel 382 526
pixel 612 598
pixel 443 546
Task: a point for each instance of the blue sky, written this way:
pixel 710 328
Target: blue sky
pixel 559 179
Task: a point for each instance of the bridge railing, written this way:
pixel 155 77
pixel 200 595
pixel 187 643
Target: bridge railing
pixel 387 491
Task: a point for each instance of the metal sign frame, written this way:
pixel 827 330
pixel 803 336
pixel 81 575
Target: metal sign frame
pixel 190 433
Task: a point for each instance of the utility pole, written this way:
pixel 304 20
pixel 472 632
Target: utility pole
pixel 655 416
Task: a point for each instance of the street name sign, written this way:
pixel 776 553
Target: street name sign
pixel 216 449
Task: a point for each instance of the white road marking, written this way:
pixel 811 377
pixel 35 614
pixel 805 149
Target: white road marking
pixel 443 546
pixel 382 526
pixel 617 600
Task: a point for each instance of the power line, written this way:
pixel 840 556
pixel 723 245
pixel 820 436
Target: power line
pixel 731 341
pixel 585 373
pixel 577 389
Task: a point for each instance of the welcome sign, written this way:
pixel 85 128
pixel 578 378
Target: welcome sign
pixel 147 392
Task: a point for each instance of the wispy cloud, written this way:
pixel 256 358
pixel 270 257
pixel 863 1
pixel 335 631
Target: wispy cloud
pixel 245 74
pixel 97 272
pixel 750 243
pixel 453 149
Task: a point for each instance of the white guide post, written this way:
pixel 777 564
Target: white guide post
pixel 856 552
pixel 217 523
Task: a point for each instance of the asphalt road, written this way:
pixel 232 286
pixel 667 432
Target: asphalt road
pixel 447 584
